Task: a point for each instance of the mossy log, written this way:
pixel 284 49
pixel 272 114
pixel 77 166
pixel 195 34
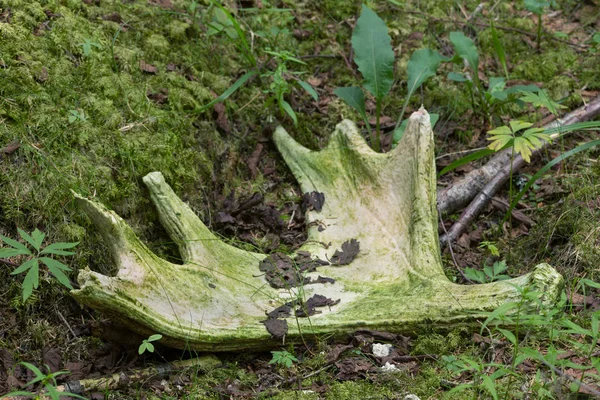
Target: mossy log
pixel 217 299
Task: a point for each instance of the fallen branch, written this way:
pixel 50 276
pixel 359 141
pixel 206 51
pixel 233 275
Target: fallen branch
pixel 491 188
pixel 125 379
pixel 460 193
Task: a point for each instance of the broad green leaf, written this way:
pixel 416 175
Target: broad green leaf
pixel 142 347
pixel 150 347
pixel 17 245
pixel 155 337
pixel 243 79
pixel 24 267
pixel 509 335
pixel 499 141
pixel 31 280
pixel 309 89
pixel 399 132
pixel 54 247
pixel 288 109
pixel 465 47
pixel 456 77
pixel 499 267
pixel 496 84
pixel 373 53
pixel 355 98
pixel 422 65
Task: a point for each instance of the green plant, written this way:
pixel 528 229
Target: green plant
pixel 76 115
pixel 491 247
pixel 281 80
pixel 147 344
pixel 374 56
pixel 32 265
pixel 47 385
pixel 523 144
pixel 88 45
pixel 283 358
pixel 484 101
pixel 538 7
pixel 489 274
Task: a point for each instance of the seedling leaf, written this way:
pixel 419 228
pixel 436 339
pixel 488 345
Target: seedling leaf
pixel 465 47
pixel 309 89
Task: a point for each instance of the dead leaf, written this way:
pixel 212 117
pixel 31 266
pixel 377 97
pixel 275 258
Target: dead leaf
pixel 222 121
pixel 148 68
pixel 11 148
pixel 308 309
pixel 113 17
pixel 313 201
pixel 350 249
pixel 353 368
pixel 278 328
pixel 160 97
pixel 52 358
pixel 253 160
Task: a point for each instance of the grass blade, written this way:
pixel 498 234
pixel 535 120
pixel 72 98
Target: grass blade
pixel 243 79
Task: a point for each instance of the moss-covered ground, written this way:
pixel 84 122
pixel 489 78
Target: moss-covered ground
pixel 95 94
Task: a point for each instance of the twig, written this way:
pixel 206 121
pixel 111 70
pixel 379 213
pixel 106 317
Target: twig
pixel 587 388
pixel 452 252
pixel 460 193
pixel 9 263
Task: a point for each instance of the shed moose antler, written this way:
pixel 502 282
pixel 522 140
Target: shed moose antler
pixel 217 299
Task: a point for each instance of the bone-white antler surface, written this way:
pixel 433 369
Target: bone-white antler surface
pixel 217 299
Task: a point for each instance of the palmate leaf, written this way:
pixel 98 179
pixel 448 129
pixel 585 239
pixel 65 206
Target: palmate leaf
pixel 24 267
pixel 35 240
pixel 7 253
pixel 541 100
pixel 373 53
pixel 499 137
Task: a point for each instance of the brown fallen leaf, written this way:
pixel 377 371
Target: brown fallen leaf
pixel 222 121
pixel 253 160
pixel 148 68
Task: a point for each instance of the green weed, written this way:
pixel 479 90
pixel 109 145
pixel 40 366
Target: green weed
pixel 47 385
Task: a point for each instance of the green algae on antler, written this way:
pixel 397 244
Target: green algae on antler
pixel 217 299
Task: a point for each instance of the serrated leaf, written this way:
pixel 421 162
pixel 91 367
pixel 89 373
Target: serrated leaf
pixel 541 100
pixel 522 147
pixel 499 267
pixel 17 245
pixel 456 77
pixel 465 47
pixel 499 141
pixel 309 89
pixel 516 125
pixel 24 267
pixel 422 65
pixel 38 236
pixel 373 53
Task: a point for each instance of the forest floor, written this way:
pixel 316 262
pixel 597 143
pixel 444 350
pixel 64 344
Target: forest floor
pixel 95 94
